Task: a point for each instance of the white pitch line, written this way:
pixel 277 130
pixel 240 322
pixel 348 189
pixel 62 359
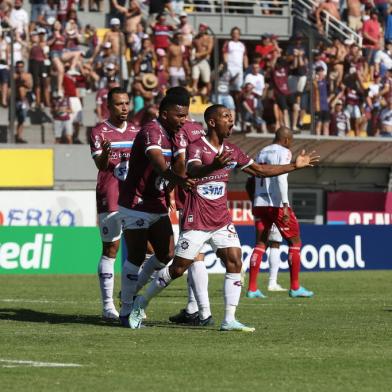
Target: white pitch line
pixel 14 363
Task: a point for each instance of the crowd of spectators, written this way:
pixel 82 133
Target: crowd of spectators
pixel 149 47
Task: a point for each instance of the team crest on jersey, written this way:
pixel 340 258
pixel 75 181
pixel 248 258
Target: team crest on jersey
pixel 97 143
pixel 160 183
pixel 197 154
pixel 182 140
pixel 105 230
pixel 184 244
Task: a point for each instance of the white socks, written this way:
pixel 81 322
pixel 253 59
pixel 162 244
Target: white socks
pixel 232 293
pixel 129 282
pixel 162 280
pixel 199 284
pixel 274 263
pixel 150 265
pixel 191 306
pixel 106 281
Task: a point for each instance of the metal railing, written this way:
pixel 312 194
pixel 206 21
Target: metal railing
pixel 304 9
pixel 255 7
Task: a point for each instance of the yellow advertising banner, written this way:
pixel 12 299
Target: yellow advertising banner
pixel 22 168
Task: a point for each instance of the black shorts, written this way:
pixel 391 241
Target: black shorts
pixel 4 76
pixel 323 116
pixel 38 71
pixel 282 101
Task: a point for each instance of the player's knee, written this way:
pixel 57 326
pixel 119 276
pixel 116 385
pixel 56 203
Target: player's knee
pixel 176 271
pixel 234 265
pixel 110 250
pixel 166 257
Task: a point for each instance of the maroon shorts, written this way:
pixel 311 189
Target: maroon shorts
pixel 266 216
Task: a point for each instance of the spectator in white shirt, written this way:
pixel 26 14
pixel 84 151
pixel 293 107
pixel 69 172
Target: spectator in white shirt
pixel 19 19
pixel 256 79
pixel 383 59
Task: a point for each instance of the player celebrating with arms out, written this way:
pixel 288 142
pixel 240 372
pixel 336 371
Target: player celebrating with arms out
pixel 110 143
pixel 206 217
pixel 271 205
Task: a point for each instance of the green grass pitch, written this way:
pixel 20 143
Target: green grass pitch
pixel 341 340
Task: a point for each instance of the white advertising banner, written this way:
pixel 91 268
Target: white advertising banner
pixel 48 208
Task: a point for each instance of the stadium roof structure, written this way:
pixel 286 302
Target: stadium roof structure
pixel 347 151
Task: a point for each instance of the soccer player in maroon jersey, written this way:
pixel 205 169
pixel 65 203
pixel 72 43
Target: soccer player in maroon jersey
pixel 142 201
pixel 206 217
pixel 111 143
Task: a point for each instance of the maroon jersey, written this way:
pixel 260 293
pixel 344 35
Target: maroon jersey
pixel 206 205
pixel 189 133
pixel 121 142
pixel 280 81
pixel 143 189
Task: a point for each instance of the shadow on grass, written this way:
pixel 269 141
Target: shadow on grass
pixel 33 316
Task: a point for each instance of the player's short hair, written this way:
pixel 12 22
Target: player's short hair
pixel 212 110
pixel 282 133
pixel 178 90
pixel 174 100
pixel 114 91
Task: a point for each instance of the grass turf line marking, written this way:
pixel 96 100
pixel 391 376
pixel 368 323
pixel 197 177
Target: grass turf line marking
pixel 15 363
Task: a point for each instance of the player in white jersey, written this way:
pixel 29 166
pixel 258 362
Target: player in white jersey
pixel 271 206
pixel 274 241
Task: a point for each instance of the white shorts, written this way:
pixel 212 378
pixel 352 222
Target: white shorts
pixel 133 220
pixel 110 226
pixel 202 70
pixel 191 242
pixel 61 127
pixel 274 234
pixel 352 111
pixel 76 110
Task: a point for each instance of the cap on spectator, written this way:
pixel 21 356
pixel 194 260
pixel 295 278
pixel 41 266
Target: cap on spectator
pixel 149 80
pixel 114 22
pixel 41 31
pixel 339 102
pixel 265 35
pixel 161 52
pixel 107 45
pixel 318 69
pixel 164 14
pixel 349 41
pixel 110 66
pixel 34 32
pixel 203 26
pixel 183 14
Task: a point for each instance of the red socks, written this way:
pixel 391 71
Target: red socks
pixel 295 265
pixel 255 261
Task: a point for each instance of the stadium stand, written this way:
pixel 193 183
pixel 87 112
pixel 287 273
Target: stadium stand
pixel 323 69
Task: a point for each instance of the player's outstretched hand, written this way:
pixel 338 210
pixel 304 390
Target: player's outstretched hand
pixel 304 159
pixel 222 160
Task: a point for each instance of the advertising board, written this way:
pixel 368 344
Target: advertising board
pixel 47 208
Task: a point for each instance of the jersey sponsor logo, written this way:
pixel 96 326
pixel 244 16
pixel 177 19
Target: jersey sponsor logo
pixel 211 190
pixel 105 230
pixel 121 170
